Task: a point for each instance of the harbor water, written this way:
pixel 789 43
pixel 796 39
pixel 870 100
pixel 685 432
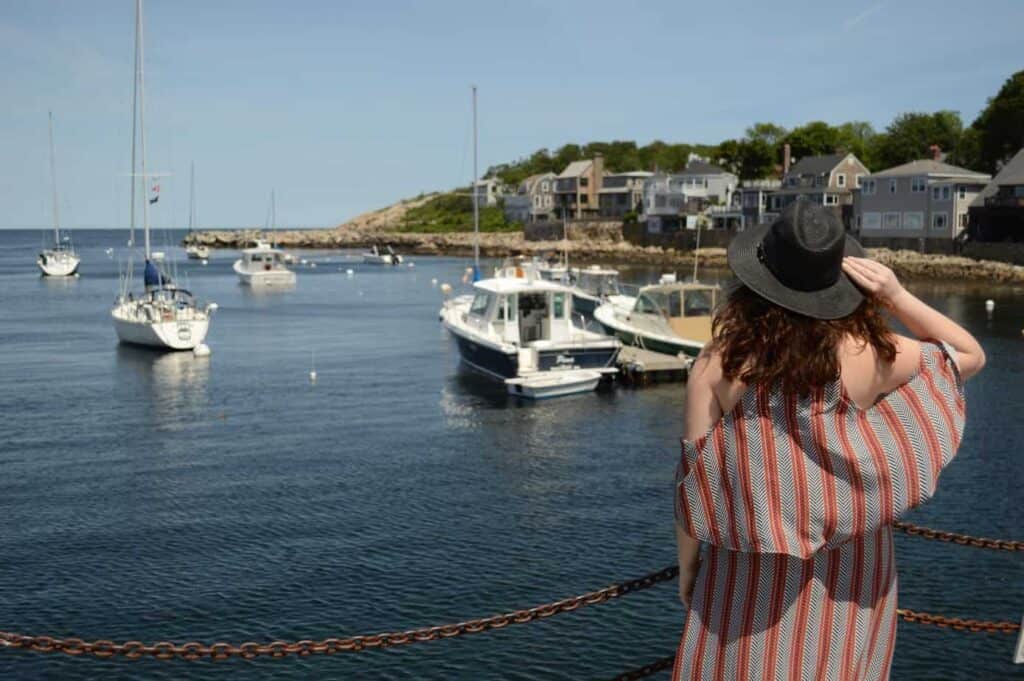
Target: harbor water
pixel 167 497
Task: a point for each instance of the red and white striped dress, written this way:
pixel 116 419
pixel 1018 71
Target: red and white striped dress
pixel 794 500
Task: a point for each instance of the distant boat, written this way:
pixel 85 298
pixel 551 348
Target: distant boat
pixel 669 318
pixel 60 260
pixel 193 250
pixel 163 316
pixel 594 286
pixel 382 256
pixel 263 265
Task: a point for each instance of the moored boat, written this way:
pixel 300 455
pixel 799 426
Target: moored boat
pixel 382 256
pixel 670 318
pixel 263 265
pixel 519 327
pixel 60 260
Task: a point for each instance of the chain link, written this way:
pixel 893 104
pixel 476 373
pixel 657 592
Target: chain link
pixel 961 539
pixel 959 624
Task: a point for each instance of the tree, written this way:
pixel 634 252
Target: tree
pixel 999 128
pixel 813 139
pixel 911 135
pixel 769 133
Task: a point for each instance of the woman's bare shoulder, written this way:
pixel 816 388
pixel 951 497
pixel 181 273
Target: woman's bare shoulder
pixel 708 372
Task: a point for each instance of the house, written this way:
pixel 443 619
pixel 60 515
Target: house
pixel 488 191
pixel 577 188
pixel 666 207
pixel 997 213
pixel 749 206
pixel 825 180
pixel 533 201
pixel 921 199
pixel 621 193
pixel 702 180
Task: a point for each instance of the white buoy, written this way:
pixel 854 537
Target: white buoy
pixel 201 350
pixel 312 264
pixel 312 366
pixel 446 288
pixel 205 262
pixel 303 262
pixel 990 307
pixel 433 282
pixel 412 264
pixel 349 273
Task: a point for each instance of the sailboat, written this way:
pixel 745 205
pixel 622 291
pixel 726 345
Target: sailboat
pixel 163 315
pixel 61 260
pixel 193 250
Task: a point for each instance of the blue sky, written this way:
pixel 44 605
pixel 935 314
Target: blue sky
pixel 343 107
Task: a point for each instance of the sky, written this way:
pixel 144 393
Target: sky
pixel 342 107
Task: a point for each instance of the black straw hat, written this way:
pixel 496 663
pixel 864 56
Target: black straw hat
pixel 796 262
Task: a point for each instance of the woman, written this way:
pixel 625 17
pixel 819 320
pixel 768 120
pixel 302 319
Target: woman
pixel 810 426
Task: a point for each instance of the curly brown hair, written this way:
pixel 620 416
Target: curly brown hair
pixel 761 343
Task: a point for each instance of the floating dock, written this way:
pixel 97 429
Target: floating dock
pixel 639 367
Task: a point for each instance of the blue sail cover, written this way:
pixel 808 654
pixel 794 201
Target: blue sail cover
pixel 153 277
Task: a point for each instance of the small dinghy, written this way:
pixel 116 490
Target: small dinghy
pixel 545 384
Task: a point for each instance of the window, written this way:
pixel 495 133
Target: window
pixel 698 303
pixel 869 188
pixel 584 181
pixel 963 220
pixel 940 220
pixel 818 181
pixel 913 220
pixel 646 305
pixel 947 193
pixel 918 185
pixel 832 199
pixel 961 191
pixel 479 306
pixel 858 180
pixel 891 220
pixel 872 221
pixel 583 198
pixel 559 305
pixel 893 186
pixel 841 180
pixel 675 304
pixel 543 186
pixel 942 193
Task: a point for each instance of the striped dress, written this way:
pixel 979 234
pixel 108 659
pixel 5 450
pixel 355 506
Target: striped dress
pixel 793 500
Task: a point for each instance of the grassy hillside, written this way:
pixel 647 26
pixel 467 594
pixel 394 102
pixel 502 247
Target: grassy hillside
pixel 453 212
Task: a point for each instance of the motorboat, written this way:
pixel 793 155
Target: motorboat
pixel 672 318
pixel 164 316
pixel 382 256
pixel 60 260
pixel 595 285
pixel 263 265
pixel 515 328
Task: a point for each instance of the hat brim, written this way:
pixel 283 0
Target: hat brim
pixel 835 302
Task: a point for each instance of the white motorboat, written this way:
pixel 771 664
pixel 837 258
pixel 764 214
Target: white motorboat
pixel 671 318
pixel 515 328
pixel 594 286
pixel 263 265
pixel 193 250
pixel 382 256
pixel 163 316
pixel 60 260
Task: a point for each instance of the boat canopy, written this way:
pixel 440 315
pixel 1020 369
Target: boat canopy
pixel 686 307
pixel 153 277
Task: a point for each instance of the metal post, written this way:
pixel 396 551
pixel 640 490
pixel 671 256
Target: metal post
pixel 476 199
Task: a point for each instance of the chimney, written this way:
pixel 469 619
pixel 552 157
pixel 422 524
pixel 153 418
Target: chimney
pixel 598 169
pixel 936 152
pixel 785 158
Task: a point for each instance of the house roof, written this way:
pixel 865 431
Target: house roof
pixel 1012 173
pixel 576 169
pixel 701 168
pixel 816 165
pixel 930 167
pixel 632 173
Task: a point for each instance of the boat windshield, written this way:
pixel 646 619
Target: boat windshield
pixel 652 302
pixel 599 284
pixel 698 303
pixel 480 303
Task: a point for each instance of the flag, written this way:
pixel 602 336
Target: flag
pixel 156 191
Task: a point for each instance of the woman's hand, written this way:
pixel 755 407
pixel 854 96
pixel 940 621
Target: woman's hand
pixel 873 277
pixel 687 579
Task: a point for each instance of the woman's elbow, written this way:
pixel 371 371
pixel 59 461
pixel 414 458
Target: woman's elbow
pixel 974 364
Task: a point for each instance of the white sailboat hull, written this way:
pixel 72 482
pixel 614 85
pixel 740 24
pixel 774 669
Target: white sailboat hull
pixel 58 264
pixel 133 326
pixel 385 259
pixel 261 277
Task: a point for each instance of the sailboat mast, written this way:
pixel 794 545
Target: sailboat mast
pixel 273 211
pixel 135 101
pixel 53 177
pixel 476 198
pixel 142 121
pixel 191 197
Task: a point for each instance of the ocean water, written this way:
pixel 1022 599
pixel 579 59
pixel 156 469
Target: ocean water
pixel 164 497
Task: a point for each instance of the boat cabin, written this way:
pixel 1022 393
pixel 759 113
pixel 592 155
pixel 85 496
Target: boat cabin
pixel 521 311
pixel 685 307
pixel 262 258
pixel 598 281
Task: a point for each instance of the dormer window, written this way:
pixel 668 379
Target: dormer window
pixel 841 180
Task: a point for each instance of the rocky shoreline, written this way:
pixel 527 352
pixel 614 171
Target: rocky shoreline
pixel 904 263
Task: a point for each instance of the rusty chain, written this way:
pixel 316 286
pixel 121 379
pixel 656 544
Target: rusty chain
pixel 194 650
pixel 961 539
